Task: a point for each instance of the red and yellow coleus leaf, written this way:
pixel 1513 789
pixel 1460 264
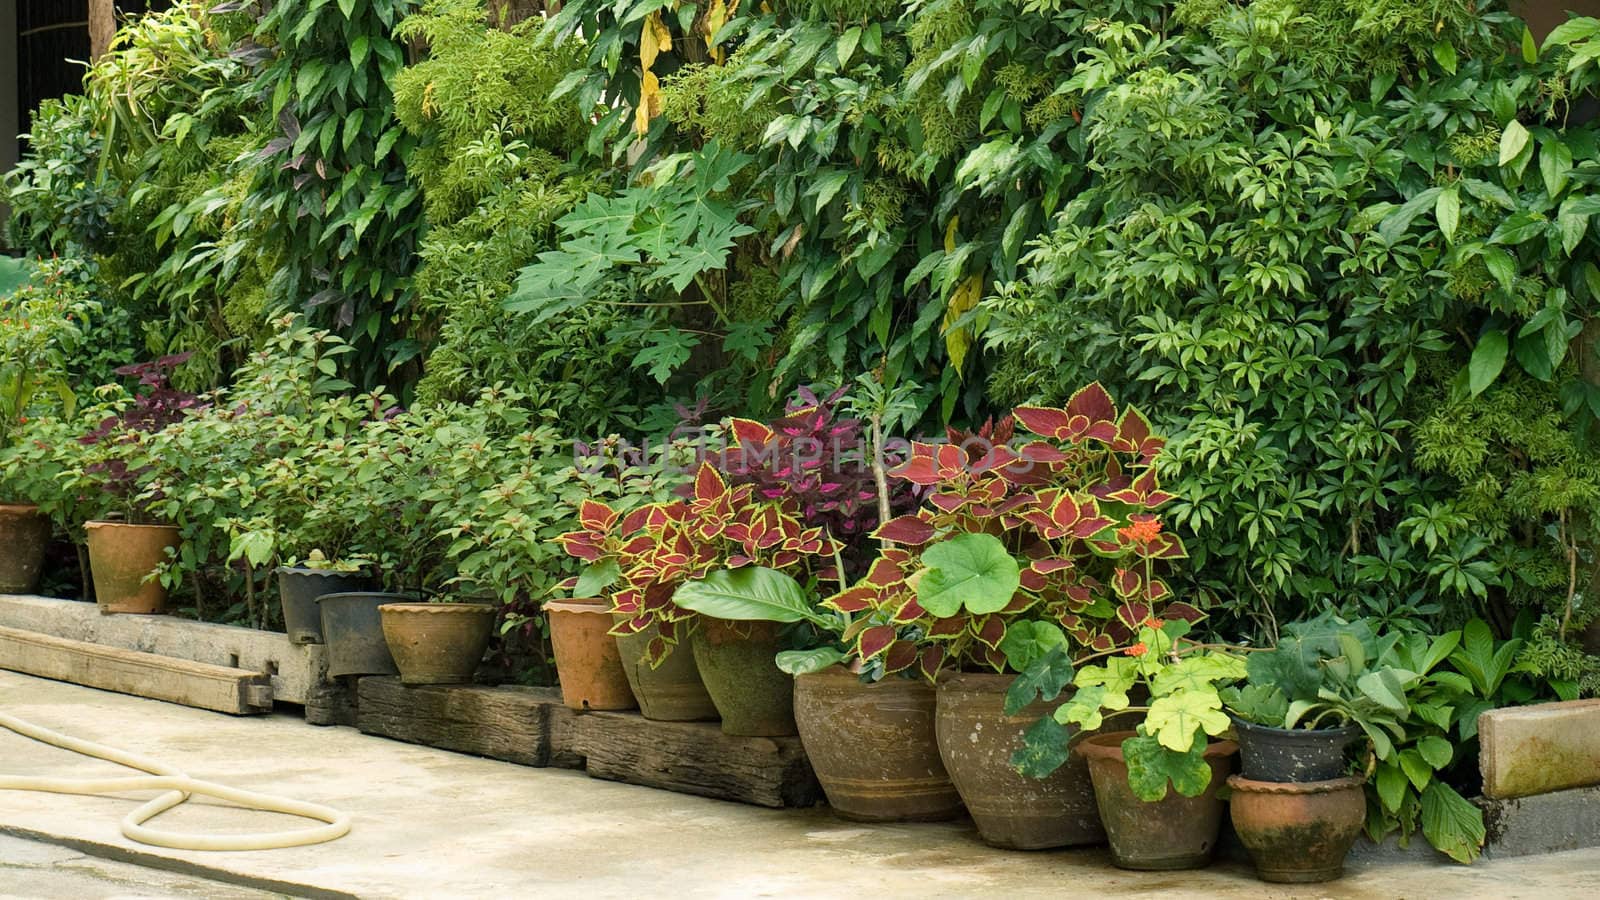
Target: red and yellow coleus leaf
pixel 874 640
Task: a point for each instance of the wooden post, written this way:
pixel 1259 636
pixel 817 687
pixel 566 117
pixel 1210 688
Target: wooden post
pixel 102 25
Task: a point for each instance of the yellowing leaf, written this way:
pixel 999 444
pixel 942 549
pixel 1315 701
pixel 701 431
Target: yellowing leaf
pixel 649 102
pixel 717 15
pixel 958 340
pixel 950 234
pixel 1176 718
pixel 654 38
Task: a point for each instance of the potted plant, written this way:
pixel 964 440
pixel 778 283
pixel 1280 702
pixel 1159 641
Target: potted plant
pixel 1066 490
pixel 720 540
pixel 302 582
pixel 589 661
pixel 129 549
pixel 618 479
pixel 1157 785
pixel 246 477
pixel 41 320
pixel 1327 685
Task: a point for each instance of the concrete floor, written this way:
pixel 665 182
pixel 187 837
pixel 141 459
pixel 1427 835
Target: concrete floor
pixel 429 824
pixel 30 870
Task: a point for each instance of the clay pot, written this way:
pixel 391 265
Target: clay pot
pixel 1176 832
pixel 298 590
pixel 352 628
pixel 437 643
pixel 24 534
pixel 1011 810
pixel 874 748
pixel 736 662
pixel 1293 754
pixel 121 557
pixel 670 692
pixel 1298 832
pixel 587 659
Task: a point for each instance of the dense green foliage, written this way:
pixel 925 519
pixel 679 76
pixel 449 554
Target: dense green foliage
pixel 1324 264
pixel 1342 253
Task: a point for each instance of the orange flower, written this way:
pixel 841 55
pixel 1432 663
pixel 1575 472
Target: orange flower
pixel 1153 622
pixel 1138 649
pixel 1142 531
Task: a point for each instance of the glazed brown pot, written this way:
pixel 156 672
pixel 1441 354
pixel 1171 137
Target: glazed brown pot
pixel 24 534
pixel 121 557
pixel 1298 832
pixel 670 692
pixel 1176 832
pixel 437 643
pixel 873 747
pixel 737 665
pixel 587 660
pixel 1011 810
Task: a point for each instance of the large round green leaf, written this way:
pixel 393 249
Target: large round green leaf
pixel 753 593
pixel 970 570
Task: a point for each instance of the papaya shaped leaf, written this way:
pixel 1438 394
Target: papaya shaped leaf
pixel 1179 718
pixel 1043 679
pixel 1151 767
pixel 1088 706
pixel 1198 673
pixel 1044 749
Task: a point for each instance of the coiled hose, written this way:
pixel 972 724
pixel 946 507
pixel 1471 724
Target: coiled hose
pixel 177 787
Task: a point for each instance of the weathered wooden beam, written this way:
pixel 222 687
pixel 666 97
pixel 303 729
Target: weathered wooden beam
pixel 530 726
pixel 201 685
pixel 507 723
pixel 697 758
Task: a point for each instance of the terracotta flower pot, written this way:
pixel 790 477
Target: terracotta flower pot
pixel 437 643
pixel 1298 832
pixel 670 692
pixel 24 534
pixel 121 557
pixel 352 628
pixel 737 664
pixel 1011 810
pixel 873 747
pixel 1176 832
pixel 298 590
pixel 587 659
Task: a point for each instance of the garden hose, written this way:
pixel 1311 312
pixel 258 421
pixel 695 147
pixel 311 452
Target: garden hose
pixel 177 787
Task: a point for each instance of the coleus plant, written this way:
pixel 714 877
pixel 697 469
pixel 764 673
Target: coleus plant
pixel 1059 526
pixel 1050 516
pixel 815 458
pixel 722 540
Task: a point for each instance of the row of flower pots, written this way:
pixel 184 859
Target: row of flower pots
pixel 375 633
pixel 367 633
pixel 903 750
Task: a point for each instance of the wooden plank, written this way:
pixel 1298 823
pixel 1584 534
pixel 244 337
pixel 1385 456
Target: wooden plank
pixel 201 685
pixel 697 758
pixel 507 723
pixel 530 726
pixel 298 672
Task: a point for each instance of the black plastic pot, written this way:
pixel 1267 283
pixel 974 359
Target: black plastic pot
pixel 1293 755
pixel 299 589
pixel 352 628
